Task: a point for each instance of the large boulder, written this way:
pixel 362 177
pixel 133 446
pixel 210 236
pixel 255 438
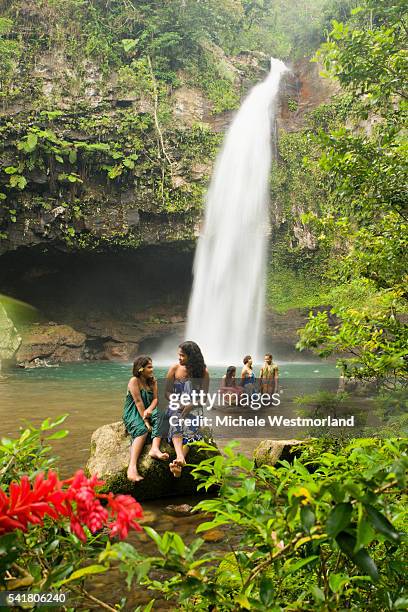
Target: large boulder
pixel 110 447
pixel 9 338
pixel 269 452
pixel 52 343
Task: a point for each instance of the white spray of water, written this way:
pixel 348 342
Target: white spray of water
pixel 225 315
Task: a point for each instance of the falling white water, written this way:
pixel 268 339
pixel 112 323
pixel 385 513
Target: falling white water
pixel 225 315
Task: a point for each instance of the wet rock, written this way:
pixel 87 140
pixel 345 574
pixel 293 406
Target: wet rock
pixel 50 343
pixel 119 351
pixel 357 386
pixel 180 510
pixel 9 338
pixel 36 363
pixel 179 181
pixel 110 447
pixel 214 535
pixel 142 537
pixel 270 452
pixel 282 327
pixel 190 105
pixel 148 517
pixel 132 217
pixel 199 170
pixel 304 87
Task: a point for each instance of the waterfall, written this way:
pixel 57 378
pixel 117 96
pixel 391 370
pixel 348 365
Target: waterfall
pixel 226 310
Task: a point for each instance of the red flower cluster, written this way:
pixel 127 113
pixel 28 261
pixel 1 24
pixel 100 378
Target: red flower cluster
pixel 75 499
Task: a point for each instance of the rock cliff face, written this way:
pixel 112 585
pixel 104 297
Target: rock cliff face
pixel 100 221
pixel 9 339
pixel 50 344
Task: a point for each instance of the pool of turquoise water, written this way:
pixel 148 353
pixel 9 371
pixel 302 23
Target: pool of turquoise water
pixel 92 394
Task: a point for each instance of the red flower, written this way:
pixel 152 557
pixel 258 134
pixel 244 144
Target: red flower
pixel 25 505
pixel 80 502
pixel 89 510
pixel 127 510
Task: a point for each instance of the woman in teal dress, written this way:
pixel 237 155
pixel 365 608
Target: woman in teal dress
pixel 141 415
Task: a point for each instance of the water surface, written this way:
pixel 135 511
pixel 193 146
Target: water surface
pixel 92 393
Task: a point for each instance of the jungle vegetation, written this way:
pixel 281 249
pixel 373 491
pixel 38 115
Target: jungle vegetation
pixel 341 181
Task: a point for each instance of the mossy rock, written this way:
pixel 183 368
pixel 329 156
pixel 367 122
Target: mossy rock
pixel 269 452
pixel 9 338
pixel 109 458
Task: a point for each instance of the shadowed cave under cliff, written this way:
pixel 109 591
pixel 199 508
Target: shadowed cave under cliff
pixel 125 302
pixel 121 295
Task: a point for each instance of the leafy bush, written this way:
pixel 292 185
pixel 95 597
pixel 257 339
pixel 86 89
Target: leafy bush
pixel 364 219
pixel 325 533
pixel 50 529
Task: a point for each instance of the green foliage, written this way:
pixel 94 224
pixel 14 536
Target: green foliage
pixel 10 51
pixel 372 333
pixel 47 556
pixel 287 288
pixel 138 53
pixel 122 149
pixel 335 519
pixel 222 93
pixel 298 258
pixel 364 220
pixel 289 29
pixel 28 454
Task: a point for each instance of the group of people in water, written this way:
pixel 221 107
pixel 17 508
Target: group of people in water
pixel 266 383
pixel 144 420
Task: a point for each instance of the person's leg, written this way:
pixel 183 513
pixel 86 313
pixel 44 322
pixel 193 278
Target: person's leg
pixel 135 451
pixel 156 452
pixel 181 449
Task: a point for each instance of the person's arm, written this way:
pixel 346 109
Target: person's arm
pixel 153 403
pixel 135 391
pixel 170 381
pixel 243 375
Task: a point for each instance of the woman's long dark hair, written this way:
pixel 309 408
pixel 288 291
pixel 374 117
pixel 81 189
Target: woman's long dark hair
pixel 230 375
pixel 139 364
pixel 195 362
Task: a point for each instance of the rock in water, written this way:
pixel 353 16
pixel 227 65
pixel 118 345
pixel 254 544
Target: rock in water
pixel 180 510
pixel 110 447
pixel 214 535
pixel 270 452
pixel 50 343
pixel 9 338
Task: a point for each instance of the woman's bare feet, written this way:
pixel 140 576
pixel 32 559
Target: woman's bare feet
pixel 133 474
pixel 176 466
pixel 156 454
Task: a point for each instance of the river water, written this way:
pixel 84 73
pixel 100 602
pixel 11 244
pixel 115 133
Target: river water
pixel 92 393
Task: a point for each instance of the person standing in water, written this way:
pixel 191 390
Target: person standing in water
pixel 229 389
pixel 248 376
pixel 190 373
pixel 269 376
pixel 141 415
